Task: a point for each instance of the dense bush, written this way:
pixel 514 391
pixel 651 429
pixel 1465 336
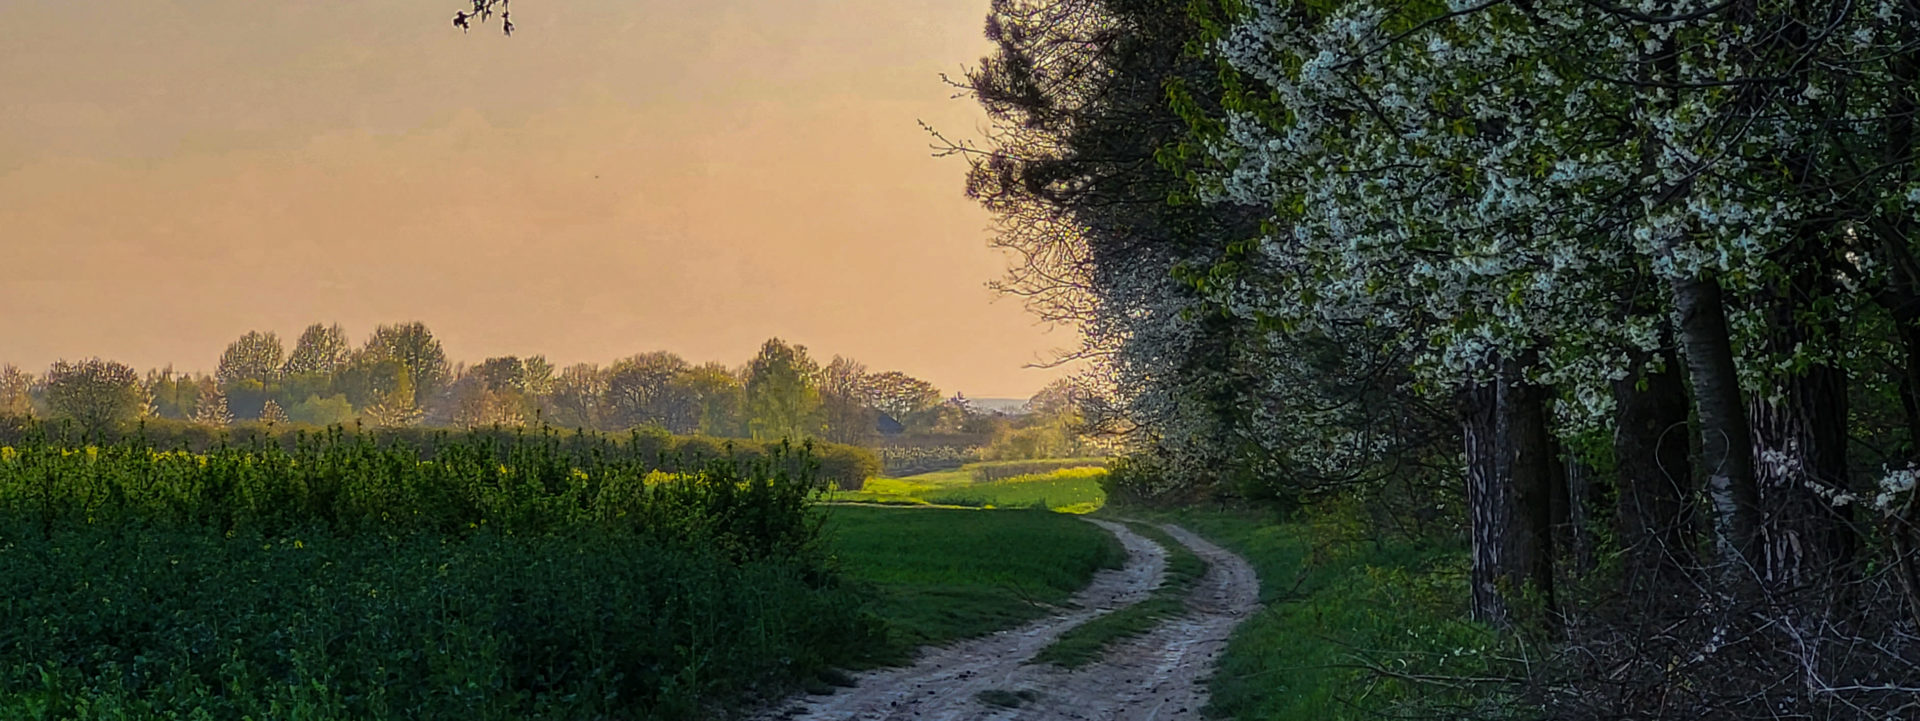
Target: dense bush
pixel 348 576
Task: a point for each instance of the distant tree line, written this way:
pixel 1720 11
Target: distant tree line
pixel 401 377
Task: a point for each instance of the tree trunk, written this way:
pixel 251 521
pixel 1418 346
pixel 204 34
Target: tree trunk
pixel 1726 441
pixel 1511 472
pixel 1489 508
pixel 1800 445
pixel 1654 466
pixel 1530 468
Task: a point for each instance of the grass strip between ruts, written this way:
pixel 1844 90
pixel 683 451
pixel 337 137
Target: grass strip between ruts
pixel 1085 643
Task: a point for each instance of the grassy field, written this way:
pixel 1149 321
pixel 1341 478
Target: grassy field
pixel 944 574
pixel 1068 490
pixel 1338 602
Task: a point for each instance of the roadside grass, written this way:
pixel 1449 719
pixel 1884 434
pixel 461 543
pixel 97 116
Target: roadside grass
pixel 1085 643
pixel 940 575
pixel 1069 490
pixel 1340 604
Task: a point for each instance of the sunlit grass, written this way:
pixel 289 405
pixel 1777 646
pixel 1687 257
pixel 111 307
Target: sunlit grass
pixel 1070 490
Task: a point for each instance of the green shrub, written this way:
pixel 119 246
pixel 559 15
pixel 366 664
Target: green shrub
pixel 847 467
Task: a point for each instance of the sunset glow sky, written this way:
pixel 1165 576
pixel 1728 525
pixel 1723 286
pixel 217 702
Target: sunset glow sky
pixel 619 176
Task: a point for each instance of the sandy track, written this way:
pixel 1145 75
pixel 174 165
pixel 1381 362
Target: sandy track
pixel 1155 677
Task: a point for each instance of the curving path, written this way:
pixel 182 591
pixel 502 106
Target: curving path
pixel 1158 676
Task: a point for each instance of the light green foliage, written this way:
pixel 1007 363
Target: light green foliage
pixel 989 471
pixel 1068 490
pixel 322 411
pixel 1071 490
pixel 397 407
pixel 945 574
pixel 719 397
pixel 783 398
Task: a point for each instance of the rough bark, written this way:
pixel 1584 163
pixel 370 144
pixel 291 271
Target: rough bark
pixel 1800 449
pixel 1489 507
pixel 1655 516
pixel 1512 469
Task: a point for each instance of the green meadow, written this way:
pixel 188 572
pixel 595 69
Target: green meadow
pixel 1074 489
pixel 940 574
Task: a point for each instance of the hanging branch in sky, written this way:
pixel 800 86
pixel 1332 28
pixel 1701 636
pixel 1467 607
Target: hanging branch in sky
pixel 483 11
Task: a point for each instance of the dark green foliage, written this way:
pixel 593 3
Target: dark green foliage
pixel 352 576
pixel 346 483
pixel 109 620
pixel 100 395
pixel 844 466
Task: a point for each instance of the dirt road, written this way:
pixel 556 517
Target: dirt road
pixel 1158 676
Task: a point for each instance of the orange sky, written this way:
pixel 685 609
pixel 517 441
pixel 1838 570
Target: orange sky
pixel 619 176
